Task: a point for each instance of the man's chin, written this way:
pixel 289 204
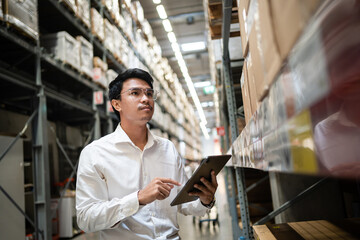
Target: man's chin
pixel 147 119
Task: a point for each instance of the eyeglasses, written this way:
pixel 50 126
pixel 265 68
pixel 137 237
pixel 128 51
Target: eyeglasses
pixel 137 93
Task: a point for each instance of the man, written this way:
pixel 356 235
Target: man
pixel 127 179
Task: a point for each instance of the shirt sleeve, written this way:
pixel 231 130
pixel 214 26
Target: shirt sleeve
pixel 94 209
pixel 191 208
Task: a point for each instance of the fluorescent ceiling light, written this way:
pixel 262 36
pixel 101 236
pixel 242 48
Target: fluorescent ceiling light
pixel 204 130
pixel 204 104
pixel 175 47
pixel 194 46
pixel 172 37
pixel 167 25
pixel 161 11
pixel 202 84
pixel 156 1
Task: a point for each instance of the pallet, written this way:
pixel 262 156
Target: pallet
pixel 21 29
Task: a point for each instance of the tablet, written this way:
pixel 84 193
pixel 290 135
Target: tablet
pixel 215 163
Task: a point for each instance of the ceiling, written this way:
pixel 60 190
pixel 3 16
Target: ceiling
pixel 187 18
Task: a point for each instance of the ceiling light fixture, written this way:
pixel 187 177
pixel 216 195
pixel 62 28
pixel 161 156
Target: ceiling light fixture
pixel 194 46
pixel 204 130
pixel 167 25
pixel 202 84
pixel 172 37
pixel 175 46
pixel 161 11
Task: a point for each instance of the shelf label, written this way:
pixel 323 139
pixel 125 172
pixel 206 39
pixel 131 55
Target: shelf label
pixel 98 97
pixel 220 131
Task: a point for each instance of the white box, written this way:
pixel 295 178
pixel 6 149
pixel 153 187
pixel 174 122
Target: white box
pixel 64 47
pixel 86 56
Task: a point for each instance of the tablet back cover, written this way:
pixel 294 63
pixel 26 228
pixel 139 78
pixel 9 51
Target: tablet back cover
pixel 215 163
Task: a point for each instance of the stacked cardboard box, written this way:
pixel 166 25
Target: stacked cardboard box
pixel 113 8
pixel 63 46
pixel 110 75
pixel 99 72
pixel 109 35
pixel 269 30
pixel 23 15
pixel 97 24
pixel 86 56
pixel 83 12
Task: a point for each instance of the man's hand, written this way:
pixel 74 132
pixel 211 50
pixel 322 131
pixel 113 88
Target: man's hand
pixel 158 188
pixel 207 191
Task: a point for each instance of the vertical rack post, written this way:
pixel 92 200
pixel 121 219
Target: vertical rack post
pixel 41 159
pixel 230 98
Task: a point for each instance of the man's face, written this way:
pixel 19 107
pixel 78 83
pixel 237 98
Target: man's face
pixel 134 108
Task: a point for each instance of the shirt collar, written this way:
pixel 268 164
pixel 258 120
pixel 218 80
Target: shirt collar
pixel 121 136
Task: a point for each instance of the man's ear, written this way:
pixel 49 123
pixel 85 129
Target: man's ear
pixel 116 104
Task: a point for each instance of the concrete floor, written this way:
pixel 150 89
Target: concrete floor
pixel 190 230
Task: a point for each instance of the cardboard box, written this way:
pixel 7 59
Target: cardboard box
pixel 309 230
pixel 109 35
pixel 252 84
pixel 243 6
pixel 97 24
pixel 257 72
pixel 23 15
pixel 289 19
pixel 64 47
pixel 83 12
pixel 86 56
pixel 245 94
pixel 266 37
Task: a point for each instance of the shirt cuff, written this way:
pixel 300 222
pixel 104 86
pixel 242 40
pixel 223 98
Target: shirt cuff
pixel 129 205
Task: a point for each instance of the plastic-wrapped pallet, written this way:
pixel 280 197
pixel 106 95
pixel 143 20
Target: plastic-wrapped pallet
pixel 99 72
pixel 110 75
pixel 63 46
pixel 109 35
pixel 139 11
pixel 125 53
pixel 71 4
pixel 113 7
pixel 83 11
pixel 117 40
pixel 86 56
pixel 23 15
pixel 97 24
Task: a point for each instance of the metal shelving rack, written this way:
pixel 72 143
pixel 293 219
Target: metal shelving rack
pixel 279 136
pixel 45 93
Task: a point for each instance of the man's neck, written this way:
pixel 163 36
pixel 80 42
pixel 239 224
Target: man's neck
pixel 136 133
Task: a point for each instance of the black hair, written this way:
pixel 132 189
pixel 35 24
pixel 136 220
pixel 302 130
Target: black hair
pixel 116 85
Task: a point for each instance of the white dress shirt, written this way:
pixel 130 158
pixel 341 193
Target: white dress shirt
pixel 111 172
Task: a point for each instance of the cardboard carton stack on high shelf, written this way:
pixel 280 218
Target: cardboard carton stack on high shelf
pixel 22 15
pixel 269 30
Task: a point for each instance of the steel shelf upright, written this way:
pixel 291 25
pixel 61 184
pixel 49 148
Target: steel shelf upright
pixel 246 231
pixel 41 159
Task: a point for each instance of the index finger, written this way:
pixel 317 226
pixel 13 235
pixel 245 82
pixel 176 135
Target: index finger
pixel 213 177
pixel 169 180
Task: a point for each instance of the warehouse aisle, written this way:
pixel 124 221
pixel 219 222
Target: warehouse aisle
pixel 191 231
